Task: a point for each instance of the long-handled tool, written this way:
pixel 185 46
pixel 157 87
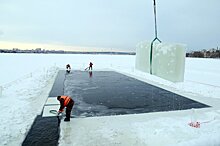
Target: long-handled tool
pixel 61 115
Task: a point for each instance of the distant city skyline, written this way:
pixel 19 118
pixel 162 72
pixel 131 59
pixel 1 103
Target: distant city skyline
pixel 45 51
pixel 92 24
pixel 28 46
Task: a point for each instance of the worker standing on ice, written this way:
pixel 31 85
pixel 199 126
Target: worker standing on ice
pixel 68 68
pixel 68 102
pixel 90 65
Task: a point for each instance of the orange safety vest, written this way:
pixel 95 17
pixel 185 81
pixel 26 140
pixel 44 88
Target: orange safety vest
pixel 66 100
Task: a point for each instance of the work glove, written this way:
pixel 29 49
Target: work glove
pixel 59 113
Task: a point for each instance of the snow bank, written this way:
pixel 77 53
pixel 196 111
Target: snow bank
pixel 21 101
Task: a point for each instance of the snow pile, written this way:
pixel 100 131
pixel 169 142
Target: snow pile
pixel 21 101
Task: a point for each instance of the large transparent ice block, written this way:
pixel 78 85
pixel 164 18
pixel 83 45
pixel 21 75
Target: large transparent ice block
pixel 142 61
pixel 168 60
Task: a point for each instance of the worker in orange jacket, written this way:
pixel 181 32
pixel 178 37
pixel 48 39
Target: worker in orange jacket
pixel 68 102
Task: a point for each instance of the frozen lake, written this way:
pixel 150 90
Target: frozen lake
pixel 28 78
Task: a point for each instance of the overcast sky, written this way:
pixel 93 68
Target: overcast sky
pixel 110 23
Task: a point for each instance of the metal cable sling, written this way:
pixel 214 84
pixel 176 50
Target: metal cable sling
pixel 156 38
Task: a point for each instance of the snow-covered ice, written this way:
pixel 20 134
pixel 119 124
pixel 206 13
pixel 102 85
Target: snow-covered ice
pixel 26 80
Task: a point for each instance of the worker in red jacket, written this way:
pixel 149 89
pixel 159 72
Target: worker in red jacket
pixel 65 101
pixel 90 65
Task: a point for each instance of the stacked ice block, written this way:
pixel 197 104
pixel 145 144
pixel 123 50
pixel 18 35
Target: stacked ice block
pixel 168 60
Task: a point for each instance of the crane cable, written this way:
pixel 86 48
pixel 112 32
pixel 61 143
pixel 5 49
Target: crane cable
pixel 156 38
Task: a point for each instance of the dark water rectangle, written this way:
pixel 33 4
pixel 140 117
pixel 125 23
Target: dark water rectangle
pixel 58 86
pixel 44 132
pixel 103 93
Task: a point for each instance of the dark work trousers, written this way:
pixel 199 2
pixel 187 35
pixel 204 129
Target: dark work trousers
pixel 69 109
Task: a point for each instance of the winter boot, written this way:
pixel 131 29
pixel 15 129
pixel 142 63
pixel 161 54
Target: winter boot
pixel 67 119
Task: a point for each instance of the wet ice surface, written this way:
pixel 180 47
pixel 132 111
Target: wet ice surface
pixel 58 86
pixel 44 132
pixel 104 93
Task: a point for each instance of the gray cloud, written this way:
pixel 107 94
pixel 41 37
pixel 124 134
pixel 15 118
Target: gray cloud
pixel 111 23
